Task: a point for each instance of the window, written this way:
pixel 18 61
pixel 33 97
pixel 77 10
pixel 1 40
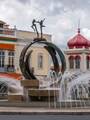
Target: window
pixel 2 58
pixel 87 62
pixel 77 62
pixel 1 28
pixel 11 59
pixel 71 62
pixel 40 61
pixel 1 25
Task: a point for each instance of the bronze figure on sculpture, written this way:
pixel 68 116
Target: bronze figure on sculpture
pixel 34 27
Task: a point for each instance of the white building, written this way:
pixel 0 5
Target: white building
pixel 78 53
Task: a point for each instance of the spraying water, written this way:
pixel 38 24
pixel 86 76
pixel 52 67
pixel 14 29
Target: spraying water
pixel 75 86
pixel 10 85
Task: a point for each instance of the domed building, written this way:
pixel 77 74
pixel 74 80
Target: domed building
pixel 78 53
pixel 75 84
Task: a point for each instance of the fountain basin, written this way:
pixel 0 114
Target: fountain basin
pixel 15 98
pixel 30 83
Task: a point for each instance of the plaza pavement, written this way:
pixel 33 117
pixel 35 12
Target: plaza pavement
pixel 49 111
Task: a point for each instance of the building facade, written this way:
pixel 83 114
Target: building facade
pixel 78 53
pixel 12 41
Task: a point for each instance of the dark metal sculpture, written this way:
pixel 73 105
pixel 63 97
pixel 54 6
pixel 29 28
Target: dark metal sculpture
pixel 52 49
pixel 41 26
pixel 34 27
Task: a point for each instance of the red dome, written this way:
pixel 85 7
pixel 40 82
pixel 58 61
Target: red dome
pixel 78 41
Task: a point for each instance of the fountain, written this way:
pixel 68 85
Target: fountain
pixel 60 89
pixel 75 89
pixel 33 91
pixel 8 86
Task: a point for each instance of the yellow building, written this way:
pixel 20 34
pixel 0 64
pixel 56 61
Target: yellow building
pixel 12 41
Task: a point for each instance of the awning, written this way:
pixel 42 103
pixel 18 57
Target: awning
pixel 7 46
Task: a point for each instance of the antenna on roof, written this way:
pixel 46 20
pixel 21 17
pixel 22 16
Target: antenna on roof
pixel 78 26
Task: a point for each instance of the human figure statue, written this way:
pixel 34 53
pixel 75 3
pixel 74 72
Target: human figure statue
pixel 41 26
pixel 34 27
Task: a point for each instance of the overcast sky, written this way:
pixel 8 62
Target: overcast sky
pixel 61 16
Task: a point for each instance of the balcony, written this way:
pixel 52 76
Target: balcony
pixel 7 32
pixel 7 68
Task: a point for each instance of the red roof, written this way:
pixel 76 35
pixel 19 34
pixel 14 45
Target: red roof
pixel 78 41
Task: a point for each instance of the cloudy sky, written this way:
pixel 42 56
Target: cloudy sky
pixel 61 16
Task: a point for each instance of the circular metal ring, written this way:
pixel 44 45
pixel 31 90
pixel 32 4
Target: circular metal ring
pixel 52 50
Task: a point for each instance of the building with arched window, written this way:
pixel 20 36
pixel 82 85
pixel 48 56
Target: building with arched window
pixel 78 53
pixel 71 62
pixel 12 41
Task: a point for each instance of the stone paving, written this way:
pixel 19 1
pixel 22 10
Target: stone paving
pixel 27 110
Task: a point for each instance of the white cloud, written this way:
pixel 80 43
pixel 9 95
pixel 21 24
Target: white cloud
pixel 86 32
pixel 61 16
